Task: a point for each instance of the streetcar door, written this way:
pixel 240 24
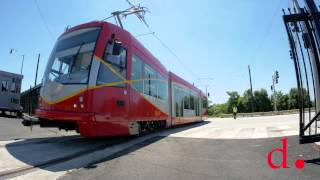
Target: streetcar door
pixel 111 98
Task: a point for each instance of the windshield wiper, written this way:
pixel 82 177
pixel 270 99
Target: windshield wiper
pixel 74 58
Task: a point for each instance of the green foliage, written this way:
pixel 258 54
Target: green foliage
pixel 259 101
pixel 293 102
pixel 247 101
pixel 293 99
pixel 282 101
pixel 218 109
pixel 233 100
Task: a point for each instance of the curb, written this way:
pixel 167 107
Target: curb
pixel 317 146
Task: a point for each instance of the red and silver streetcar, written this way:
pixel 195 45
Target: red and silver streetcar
pixel 100 81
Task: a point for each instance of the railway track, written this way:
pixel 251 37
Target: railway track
pixel 48 140
pixel 27 169
pixel 119 146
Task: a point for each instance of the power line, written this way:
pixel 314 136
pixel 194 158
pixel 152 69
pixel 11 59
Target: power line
pixel 171 51
pixel 107 18
pixel 268 30
pixel 43 20
pixel 140 12
pixel 144 34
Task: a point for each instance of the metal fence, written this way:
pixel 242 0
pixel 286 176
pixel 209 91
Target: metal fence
pixel 29 99
pixel 303 29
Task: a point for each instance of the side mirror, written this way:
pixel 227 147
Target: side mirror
pixel 208 94
pixel 117 60
pixel 116 48
pixel 114 53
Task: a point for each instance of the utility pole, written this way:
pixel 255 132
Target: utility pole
pixel 22 64
pixel 207 91
pixel 206 85
pixel 275 78
pixel 35 81
pixel 250 88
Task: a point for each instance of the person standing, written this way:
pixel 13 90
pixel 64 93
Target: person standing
pixel 235 110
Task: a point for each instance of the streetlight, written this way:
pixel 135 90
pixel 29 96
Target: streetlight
pixel 15 51
pixel 23 55
pixel 206 85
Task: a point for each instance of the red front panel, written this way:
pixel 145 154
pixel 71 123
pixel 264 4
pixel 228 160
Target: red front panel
pixel 110 103
pixel 71 104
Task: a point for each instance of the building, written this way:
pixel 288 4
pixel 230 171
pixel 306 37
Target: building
pixel 10 91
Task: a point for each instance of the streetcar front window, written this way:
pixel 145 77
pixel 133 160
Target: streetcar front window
pixel 71 58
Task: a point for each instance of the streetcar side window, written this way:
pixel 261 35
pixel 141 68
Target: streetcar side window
pixel 178 101
pixel 112 70
pixel 191 102
pixel 162 88
pixel 197 105
pixel 150 82
pixel 186 100
pixel 137 73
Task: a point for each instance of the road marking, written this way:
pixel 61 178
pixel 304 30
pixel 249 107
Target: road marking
pixel 229 134
pixel 259 133
pixel 245 133
pixel 237 133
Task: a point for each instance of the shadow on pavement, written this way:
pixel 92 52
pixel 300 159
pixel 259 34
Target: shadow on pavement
pixel 198 158
pixel 53 153
pixel 313 161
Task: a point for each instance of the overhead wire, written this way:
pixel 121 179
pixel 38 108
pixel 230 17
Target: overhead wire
pixel 171 51
pixel 141 18
pixel 144 34
pixel 43 20
pixel 270 25
pixel 107 18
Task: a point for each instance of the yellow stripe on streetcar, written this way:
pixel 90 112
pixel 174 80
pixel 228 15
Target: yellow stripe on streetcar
pixel 124 81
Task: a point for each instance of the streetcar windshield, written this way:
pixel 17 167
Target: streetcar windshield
pixel 71 58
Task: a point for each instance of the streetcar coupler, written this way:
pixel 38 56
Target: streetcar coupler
pixel 29 120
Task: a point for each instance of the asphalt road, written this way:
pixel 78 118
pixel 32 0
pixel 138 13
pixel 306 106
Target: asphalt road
pixel 214 149
pixel 196 158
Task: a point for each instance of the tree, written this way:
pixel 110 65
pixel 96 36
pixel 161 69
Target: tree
pixel 293 101
pixel 241 106
pixel 233 100
pixel 293 98
pixel 262 101
pixel 282 100
pixel 218 109
pixel 247 99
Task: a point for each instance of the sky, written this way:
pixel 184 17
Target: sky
pixel 214 41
